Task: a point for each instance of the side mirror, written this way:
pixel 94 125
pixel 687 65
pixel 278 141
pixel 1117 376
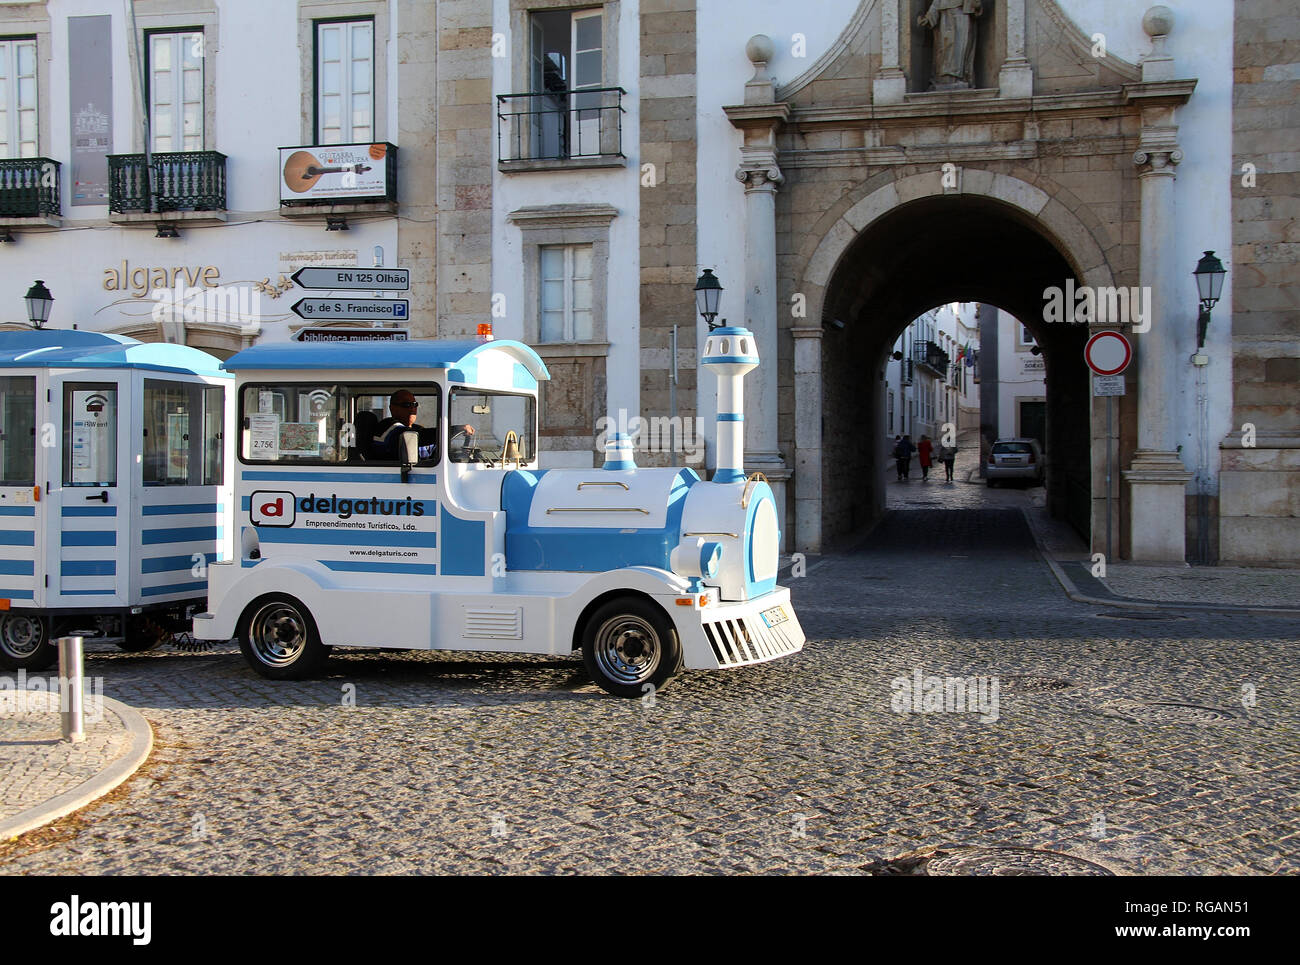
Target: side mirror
pixel 410 448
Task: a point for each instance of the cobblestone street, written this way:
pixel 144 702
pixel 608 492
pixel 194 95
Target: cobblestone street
pixel 1163 745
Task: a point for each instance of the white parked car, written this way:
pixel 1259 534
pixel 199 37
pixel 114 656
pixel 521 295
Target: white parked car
pixel 1014 459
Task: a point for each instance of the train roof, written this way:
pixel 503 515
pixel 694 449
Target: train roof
pixel 459 357
pixel 64 348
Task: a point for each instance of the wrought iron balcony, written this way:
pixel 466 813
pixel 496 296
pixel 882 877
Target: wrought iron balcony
pixel 183 181
pixel 29 187
pixel 581 125
pixel 931 356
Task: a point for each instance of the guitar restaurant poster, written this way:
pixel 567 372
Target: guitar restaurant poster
pixel 334 172
pixel 90 106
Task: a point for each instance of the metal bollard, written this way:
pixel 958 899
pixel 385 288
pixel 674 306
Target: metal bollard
pixel 71 690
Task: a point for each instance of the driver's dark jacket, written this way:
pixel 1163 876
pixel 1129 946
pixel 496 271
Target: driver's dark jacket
pixel 387 441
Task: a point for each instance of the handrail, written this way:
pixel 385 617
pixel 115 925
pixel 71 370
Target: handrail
pixel 754 477
pixel 612 482
pixel 598 509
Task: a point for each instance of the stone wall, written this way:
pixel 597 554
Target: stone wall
pixel 668 209
pixel 414 132
pixel 466 152
pixel 1259 485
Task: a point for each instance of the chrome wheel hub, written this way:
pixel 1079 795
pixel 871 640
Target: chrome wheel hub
pixel 628 649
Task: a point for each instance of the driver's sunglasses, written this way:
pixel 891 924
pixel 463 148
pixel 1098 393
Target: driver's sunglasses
pixel 407 405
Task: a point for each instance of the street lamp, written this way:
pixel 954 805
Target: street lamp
pixel 1209 276
pixel 708 296
pixel 39 301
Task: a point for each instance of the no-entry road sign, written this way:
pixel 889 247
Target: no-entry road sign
pixel 1108 353
pixel 351 279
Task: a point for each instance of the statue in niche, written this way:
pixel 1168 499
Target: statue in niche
pixel 953 23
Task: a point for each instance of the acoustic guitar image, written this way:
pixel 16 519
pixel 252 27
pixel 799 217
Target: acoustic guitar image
pixel 303 170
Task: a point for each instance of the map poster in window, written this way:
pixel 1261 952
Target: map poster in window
pixel 264 436
pixel 300 439
pixel 94 422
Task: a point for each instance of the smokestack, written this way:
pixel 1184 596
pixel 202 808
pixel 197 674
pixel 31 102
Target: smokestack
pixel 730 352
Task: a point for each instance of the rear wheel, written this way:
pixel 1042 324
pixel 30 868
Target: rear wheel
pixel 630 648
pixel 25 642
pixel 279 639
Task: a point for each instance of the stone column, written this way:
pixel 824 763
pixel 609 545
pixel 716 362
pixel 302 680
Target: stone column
pixel 807 439
pixel 1158 478
pixel 890 84
pixel 1016 79
pixel 760 118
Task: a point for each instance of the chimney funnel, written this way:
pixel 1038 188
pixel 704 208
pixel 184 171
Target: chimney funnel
pixel 730 352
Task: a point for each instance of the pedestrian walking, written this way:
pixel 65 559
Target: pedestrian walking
pixel 925 450
pixel 903 453
pixel 894 454
pixel 947 455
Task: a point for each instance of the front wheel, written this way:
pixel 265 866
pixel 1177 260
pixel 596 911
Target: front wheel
pixel 630 648
pixel 25 642
pixel 279 639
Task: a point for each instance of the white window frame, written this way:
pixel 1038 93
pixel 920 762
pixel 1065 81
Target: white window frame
pixel 182 44
pixel 12 144
pixel 569 279
pixel 347 133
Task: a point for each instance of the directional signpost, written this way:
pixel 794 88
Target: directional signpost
pixel 372 310
pixel 1108 355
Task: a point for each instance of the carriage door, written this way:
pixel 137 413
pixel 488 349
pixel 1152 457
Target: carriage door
pixel 20 550
pixel 89 494
pixel 183 492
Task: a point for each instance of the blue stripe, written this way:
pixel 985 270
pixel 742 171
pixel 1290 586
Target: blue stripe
pixel 89 537
pixel 17 537
pixel 88 511
pixel 88 568
pixel 731 417
pixel 365 537
pixel 17 567
pixel 200 587
pixel 165 564
pixel 108 592
pixel 179 509
pixel 336 477
pixel 178 535
pixel 423 568
pixel 17 510
pixel 17 595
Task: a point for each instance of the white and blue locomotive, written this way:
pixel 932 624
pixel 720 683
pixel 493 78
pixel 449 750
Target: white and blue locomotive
pixel 458 541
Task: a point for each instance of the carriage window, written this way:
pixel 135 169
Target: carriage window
pixel 18 431
pixel 89 434
pixel 183 438
pixel 491 415
pixel 329 423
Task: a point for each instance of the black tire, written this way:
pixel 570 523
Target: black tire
pixel 279 639
pixel 630 648
pixel 992 483
pixel 25 642
pixel 142 634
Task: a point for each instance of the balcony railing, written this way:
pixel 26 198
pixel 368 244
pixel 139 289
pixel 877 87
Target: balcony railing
pixel 931 356
pixel 560 125
pixel 29 187
pixel 183 181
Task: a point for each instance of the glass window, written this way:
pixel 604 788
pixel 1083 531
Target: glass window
pixel 491 415
pixel 90 434
pixel 183 438
pixel 566 293
pixel 345 78
pixel 176 91
pixel 325 422
pixel 18 430
pixel 17 98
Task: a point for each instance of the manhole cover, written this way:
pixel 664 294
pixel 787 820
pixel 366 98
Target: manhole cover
pixel 1161 711
pixel 1029 684
pixel 1006 862
pixel 1141 615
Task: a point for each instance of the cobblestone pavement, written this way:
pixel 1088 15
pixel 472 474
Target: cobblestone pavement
pixel 35 763
pixel 505 764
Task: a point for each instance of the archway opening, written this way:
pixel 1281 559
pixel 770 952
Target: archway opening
pixel 954 248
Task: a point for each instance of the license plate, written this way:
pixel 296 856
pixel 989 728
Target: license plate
pixel 774 616
pixel 1013 462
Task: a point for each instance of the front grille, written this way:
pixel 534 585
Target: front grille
pixel 747 640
